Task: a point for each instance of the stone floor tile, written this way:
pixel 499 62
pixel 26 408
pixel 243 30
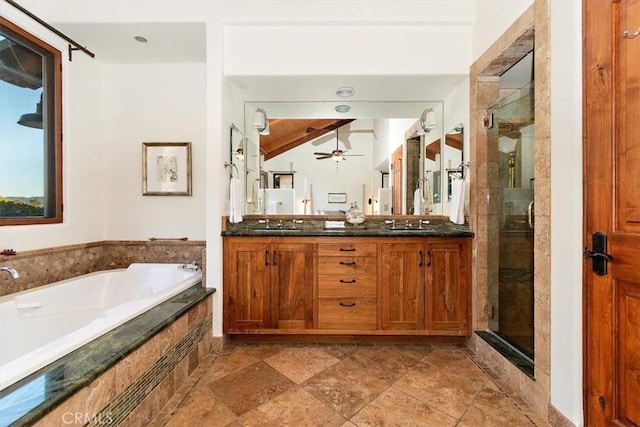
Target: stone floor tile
pixel 237 358
pixel 494 408
pixel 300 363
pixel 295 407
pixel 201 407
pixel 250 387
pixel 396 408
pixel 386 364
pixel 345 388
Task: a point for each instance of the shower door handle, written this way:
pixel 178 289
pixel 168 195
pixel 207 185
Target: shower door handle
pixel 530 213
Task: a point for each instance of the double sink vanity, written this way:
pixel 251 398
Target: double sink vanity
pixel 395 276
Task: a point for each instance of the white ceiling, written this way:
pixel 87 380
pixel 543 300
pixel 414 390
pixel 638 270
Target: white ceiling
pixel 183 42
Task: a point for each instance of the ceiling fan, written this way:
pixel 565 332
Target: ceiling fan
pixel 337 155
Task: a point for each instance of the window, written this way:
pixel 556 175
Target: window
pixel 30 128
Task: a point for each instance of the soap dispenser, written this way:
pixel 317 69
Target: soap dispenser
pixel 355 215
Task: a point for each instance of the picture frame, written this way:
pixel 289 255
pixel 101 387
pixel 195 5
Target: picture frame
pixel 336 197
pixel 166 169
pixel 282 180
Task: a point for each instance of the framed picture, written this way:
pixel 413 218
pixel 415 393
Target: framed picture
pixel 337 197
pixel 166 168
pixel 282 180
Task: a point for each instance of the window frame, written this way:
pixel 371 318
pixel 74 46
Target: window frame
pixel 52 110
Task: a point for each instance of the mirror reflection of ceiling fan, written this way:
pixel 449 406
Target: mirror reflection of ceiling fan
pixel 336 155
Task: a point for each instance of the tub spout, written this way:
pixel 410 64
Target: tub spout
pixel 14 274
pixel 193 266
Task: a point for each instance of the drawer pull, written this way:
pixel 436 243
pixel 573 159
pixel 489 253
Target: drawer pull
pixel 347 263
pixel 347 249
pixel 348 281
pixel 266 257
pixel 351 304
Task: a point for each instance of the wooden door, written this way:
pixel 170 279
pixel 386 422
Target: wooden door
pixel 612 206
pixel 292 285
pixel 396 187
pixel 402 285
pixel 447 295
pixel 248 279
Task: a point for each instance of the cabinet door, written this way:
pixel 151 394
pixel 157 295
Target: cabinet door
pixel 292 285
pixel 447 298
pixel 402 285
pixel 248 301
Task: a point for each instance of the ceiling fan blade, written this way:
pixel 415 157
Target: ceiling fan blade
pixel 322 154
pixel 353 155
pixel 324 157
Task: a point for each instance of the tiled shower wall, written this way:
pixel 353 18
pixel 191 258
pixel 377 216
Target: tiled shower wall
pixel 485 72
pixel 44 266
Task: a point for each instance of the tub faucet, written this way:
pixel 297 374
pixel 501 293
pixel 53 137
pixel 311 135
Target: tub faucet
pixel 14 274
pixel 193 266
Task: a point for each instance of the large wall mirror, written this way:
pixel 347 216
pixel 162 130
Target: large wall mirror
pixel 320 157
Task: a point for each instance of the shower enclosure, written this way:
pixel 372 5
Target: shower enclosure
pixel 511 252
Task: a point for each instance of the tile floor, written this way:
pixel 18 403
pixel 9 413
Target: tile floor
pixel 343 385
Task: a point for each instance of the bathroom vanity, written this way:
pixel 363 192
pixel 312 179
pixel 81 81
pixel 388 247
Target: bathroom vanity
pixel 375 279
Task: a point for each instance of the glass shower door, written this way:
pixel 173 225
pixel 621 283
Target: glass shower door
pixel 511 272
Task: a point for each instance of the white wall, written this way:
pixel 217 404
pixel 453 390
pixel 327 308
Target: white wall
pixel 152 103
pixel 566 209
pixel 493 17
pixel 82 149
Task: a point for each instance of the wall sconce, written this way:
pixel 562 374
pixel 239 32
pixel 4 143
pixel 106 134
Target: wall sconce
pixel 33 120
pixel 260 121
pixel 428 120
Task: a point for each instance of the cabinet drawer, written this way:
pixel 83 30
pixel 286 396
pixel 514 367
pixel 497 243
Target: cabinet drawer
pixel 345 313
pixel 347 265
pixel 350 249
pixel 346 286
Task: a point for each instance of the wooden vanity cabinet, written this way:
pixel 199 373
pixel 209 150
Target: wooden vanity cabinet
pixel 347 285
pixel 402 279
pixel 424 286
pixel 447 286
pixel 268 284
pixel 360 286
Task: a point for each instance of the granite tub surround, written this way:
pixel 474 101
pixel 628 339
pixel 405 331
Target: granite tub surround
pixel 122 377
pixel 374 226
pixel 49 265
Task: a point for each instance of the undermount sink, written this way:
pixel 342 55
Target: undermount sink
pixel 412 230
pixel 277 230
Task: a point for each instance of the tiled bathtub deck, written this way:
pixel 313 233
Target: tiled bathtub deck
pixel 278 385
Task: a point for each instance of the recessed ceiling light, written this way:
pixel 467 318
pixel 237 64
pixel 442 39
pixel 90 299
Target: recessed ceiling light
pixel 343 108
pixel 345 92
pixel 141 39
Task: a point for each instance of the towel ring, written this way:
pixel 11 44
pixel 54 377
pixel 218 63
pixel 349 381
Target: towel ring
pixel 232 167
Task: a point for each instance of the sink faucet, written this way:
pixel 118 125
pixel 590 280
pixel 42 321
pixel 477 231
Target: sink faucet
pixel 392 222
pixel 14 274
pixel 264 221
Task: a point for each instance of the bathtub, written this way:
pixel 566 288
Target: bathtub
pixel 40 325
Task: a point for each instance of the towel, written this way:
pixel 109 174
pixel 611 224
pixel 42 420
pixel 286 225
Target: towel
pixel 457 201
pixel 235 200
pixel 418 202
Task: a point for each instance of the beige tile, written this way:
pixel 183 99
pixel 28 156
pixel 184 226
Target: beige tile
pixel 386 364
pixel 293 408
pixel 493 408
pixel 237 358
pixel 301 363
pixel 250 387
pixel 395 408
pixel 449 386
pixel 201 408
pixel 345 388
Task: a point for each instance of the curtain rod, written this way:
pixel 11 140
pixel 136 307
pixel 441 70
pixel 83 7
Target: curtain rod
pixel 73 45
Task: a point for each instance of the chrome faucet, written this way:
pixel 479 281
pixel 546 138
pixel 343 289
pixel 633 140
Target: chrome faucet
pixel 192 266
pixel 12 271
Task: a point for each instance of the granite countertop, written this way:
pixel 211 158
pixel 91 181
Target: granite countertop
pixel 31 398
pixel 405 226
